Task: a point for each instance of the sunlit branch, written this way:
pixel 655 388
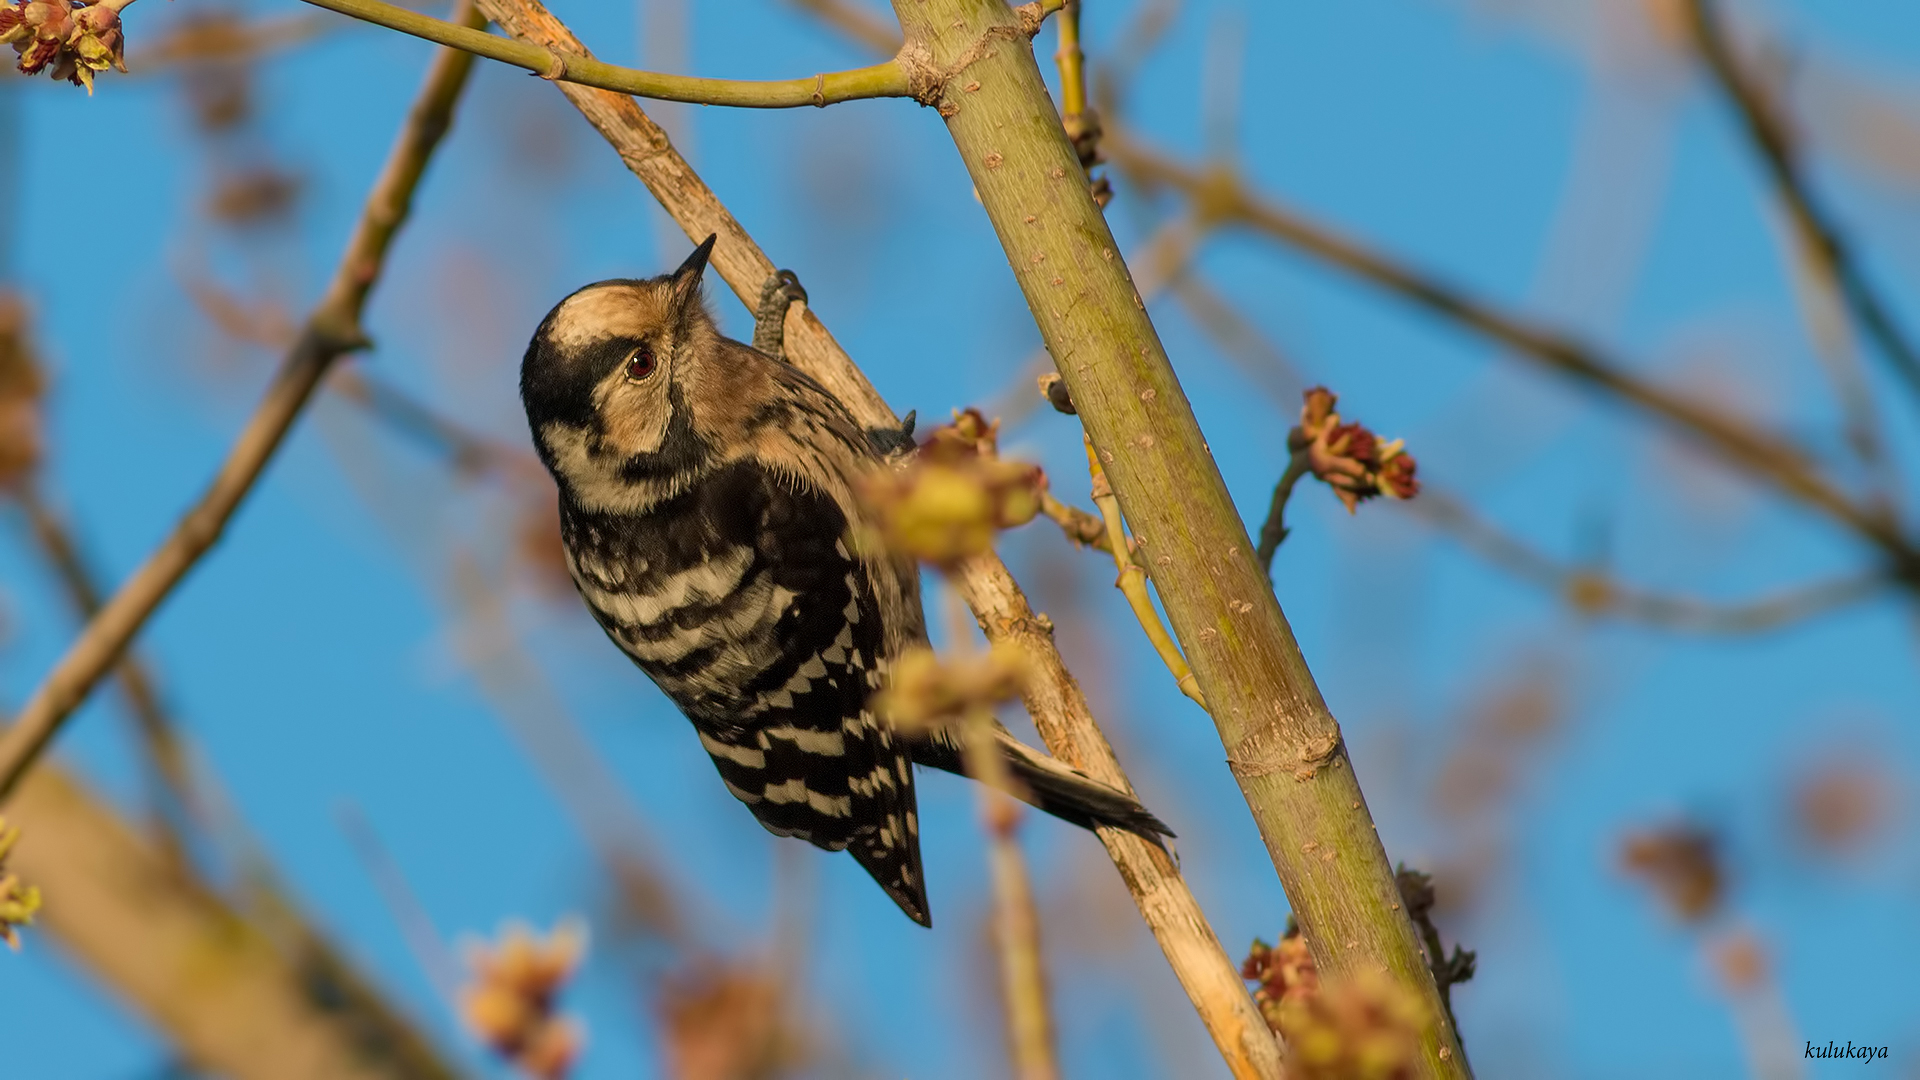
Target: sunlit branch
pixel 880 80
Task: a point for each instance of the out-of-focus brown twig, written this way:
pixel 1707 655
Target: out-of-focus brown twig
pixel 237 998
pixel 175 790
pixel 1053 697
pixel 1593 593
pixel 878 35
pixel 1822 237
pixel 467 451
pixel 1221 196
pixel 22 388
pixel 332 331
pixel 1017 927
pixel 1237 338
pixel 225 37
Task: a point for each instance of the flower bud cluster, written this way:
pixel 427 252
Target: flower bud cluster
pixel 956 494
pixel 1352 460
pixel 1364 1028
pixel 75 40
pixel 510 1002
pixel 18 902
pixel 925 691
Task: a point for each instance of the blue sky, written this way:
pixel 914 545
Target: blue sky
pixel 324 655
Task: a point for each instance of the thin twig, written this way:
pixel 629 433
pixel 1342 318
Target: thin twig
pixel 1222 196
pixel 467 451
pixel 423 939
pixel 175 792
pixel 332 331
pixel 1016 921
pixel 1072 61
pixel 1593 593
pixel 1822 236
pixel 1132 582
pixel 1084 529
pixel 1054 699
pixel 1417 892
pixel 1273 531
pixel 227 39
pixel 888 79
pixel 880 36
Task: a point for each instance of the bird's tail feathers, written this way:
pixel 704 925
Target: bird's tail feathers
pixel 1073 796
pixel 1052 785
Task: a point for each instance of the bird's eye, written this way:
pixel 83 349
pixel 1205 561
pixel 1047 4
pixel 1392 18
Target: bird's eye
pixel 640 364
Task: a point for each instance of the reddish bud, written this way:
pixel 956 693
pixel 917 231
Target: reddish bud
pixel 1349 457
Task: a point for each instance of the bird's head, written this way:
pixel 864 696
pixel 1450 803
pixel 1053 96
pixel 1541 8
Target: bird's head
pixel 607 381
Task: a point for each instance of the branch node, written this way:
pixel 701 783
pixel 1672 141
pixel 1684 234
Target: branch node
pixel 925 80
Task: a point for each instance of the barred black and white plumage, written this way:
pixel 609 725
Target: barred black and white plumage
pixel 706 505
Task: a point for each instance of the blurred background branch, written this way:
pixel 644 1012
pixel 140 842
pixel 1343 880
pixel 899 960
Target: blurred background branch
pixel 332 331
pixel 1771 134
pixel 1222 196
pixel 236 996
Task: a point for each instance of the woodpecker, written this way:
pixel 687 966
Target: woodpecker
pixel 708 514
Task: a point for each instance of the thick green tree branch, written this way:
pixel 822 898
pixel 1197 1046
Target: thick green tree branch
pixel 877 81
pixel 332 331
pixel 1283 745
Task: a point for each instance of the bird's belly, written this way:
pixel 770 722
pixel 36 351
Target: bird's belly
pixel 703 634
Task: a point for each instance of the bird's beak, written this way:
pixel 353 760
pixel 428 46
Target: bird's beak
pixel 695 267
